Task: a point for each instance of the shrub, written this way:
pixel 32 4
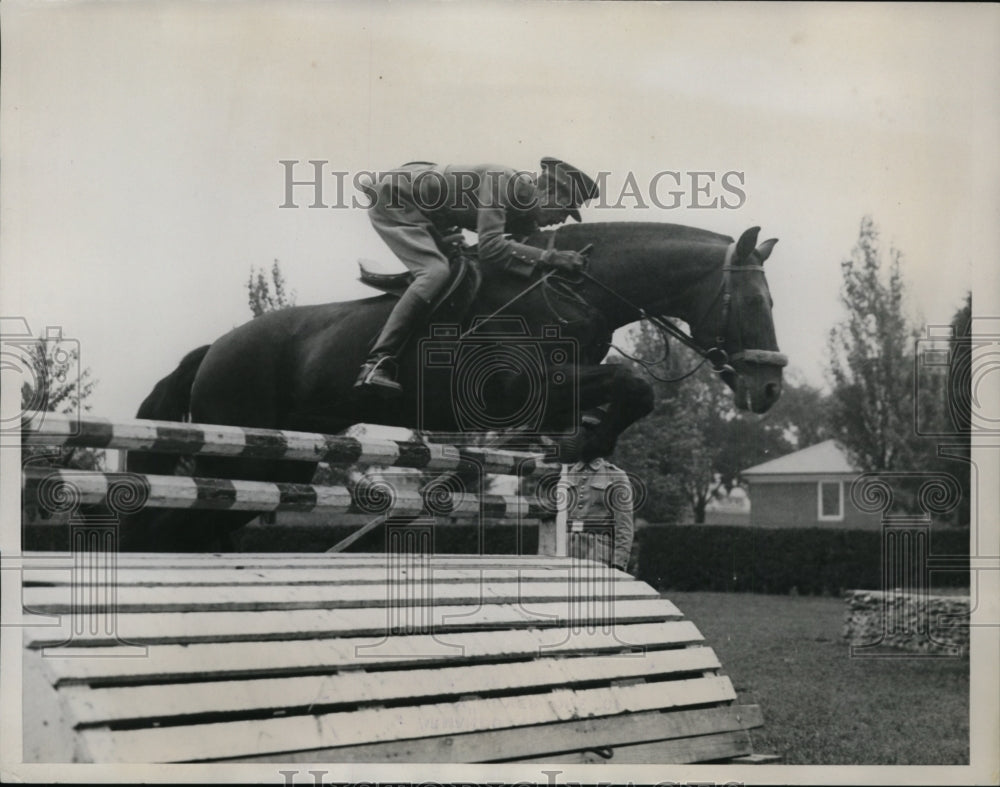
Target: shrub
pixel 810 561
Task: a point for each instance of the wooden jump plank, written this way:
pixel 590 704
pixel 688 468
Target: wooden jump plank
pixel 181 627
pixel 549 739
pixel 181 598
pixel 720 746
pixel 189 438
pixel 299 657
pixel 227 660
pixel 316 575
pixel 317 523
pixel 47 721
pixel 291 695
pixel 278 735
pixel 190 560
pixel 756 759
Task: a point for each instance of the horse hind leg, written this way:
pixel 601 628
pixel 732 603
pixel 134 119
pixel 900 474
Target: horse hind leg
pixel 207 529
pixel 215 529
pixel 174 530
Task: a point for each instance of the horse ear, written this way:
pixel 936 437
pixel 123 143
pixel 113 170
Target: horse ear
pixel 746 243
pixel 764 250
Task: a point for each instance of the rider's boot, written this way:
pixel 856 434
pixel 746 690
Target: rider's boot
pixel 378 373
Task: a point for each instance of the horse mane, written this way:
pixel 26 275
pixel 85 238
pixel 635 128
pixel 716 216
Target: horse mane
pixel 607 230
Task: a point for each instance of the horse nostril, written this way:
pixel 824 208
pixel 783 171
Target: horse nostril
pixel 772 391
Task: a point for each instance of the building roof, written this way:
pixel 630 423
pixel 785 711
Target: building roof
pixel 823 458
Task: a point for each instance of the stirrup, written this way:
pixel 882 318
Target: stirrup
pixel 377 375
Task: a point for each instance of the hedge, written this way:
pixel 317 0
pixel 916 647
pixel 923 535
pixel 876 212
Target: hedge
pixel 464 539
pixel 811 561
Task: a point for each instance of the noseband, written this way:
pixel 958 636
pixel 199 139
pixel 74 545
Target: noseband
pixel 722 360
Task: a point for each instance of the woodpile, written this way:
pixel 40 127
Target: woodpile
pixel 907 620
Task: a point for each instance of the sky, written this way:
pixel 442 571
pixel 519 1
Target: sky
pixel 141 145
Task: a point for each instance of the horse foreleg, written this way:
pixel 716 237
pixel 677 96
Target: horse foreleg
pixel 627 396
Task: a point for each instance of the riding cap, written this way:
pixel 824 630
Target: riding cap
pixel 573 187
pixel 593 417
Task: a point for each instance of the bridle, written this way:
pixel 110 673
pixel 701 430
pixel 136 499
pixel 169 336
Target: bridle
pixel 716 355
pixel 750 355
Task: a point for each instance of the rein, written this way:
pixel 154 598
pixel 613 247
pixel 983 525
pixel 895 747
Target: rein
pixel 545 284
pixel 717 356
pixel 714 355
pixel 543 281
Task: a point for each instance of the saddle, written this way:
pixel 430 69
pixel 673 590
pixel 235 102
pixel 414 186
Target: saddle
pixel 453 302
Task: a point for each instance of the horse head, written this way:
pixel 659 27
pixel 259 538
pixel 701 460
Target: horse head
pixel 739 323
pixel 713 283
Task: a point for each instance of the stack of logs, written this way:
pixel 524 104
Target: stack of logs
pixel 908 621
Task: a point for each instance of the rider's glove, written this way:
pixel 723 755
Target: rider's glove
pixel 567 261
pixel 453 245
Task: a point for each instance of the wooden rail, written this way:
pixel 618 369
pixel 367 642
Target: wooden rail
pixel 235 441
pixel 406 656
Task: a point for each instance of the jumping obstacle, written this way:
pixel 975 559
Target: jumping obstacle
pixel 405 656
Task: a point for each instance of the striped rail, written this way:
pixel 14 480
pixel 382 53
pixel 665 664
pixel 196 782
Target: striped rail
pixel 127 492
pixel 406 656
pixel 235 441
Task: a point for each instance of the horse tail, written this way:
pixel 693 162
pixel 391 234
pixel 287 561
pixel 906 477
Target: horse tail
pixel 170 400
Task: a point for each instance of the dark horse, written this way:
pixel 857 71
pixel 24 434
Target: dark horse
pixel 294 368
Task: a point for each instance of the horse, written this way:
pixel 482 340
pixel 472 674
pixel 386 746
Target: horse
pixel 533 350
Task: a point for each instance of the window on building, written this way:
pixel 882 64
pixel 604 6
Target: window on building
pixel 831 500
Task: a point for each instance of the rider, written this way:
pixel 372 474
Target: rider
pixel 414 208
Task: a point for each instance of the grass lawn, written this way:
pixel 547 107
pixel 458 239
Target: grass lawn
pixel 820 706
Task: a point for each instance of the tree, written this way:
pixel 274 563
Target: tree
pixel 944 409
pixel 871 362
pixel 889 409
pixel 802 415
pixel 695 443
pixel 702 412
pixel 960 366
pixel 58 385
pixel 674 449
pixel 959 397
pixel 667 452
pixel 260 297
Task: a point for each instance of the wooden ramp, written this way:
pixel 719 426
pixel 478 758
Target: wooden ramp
pixel 367 658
